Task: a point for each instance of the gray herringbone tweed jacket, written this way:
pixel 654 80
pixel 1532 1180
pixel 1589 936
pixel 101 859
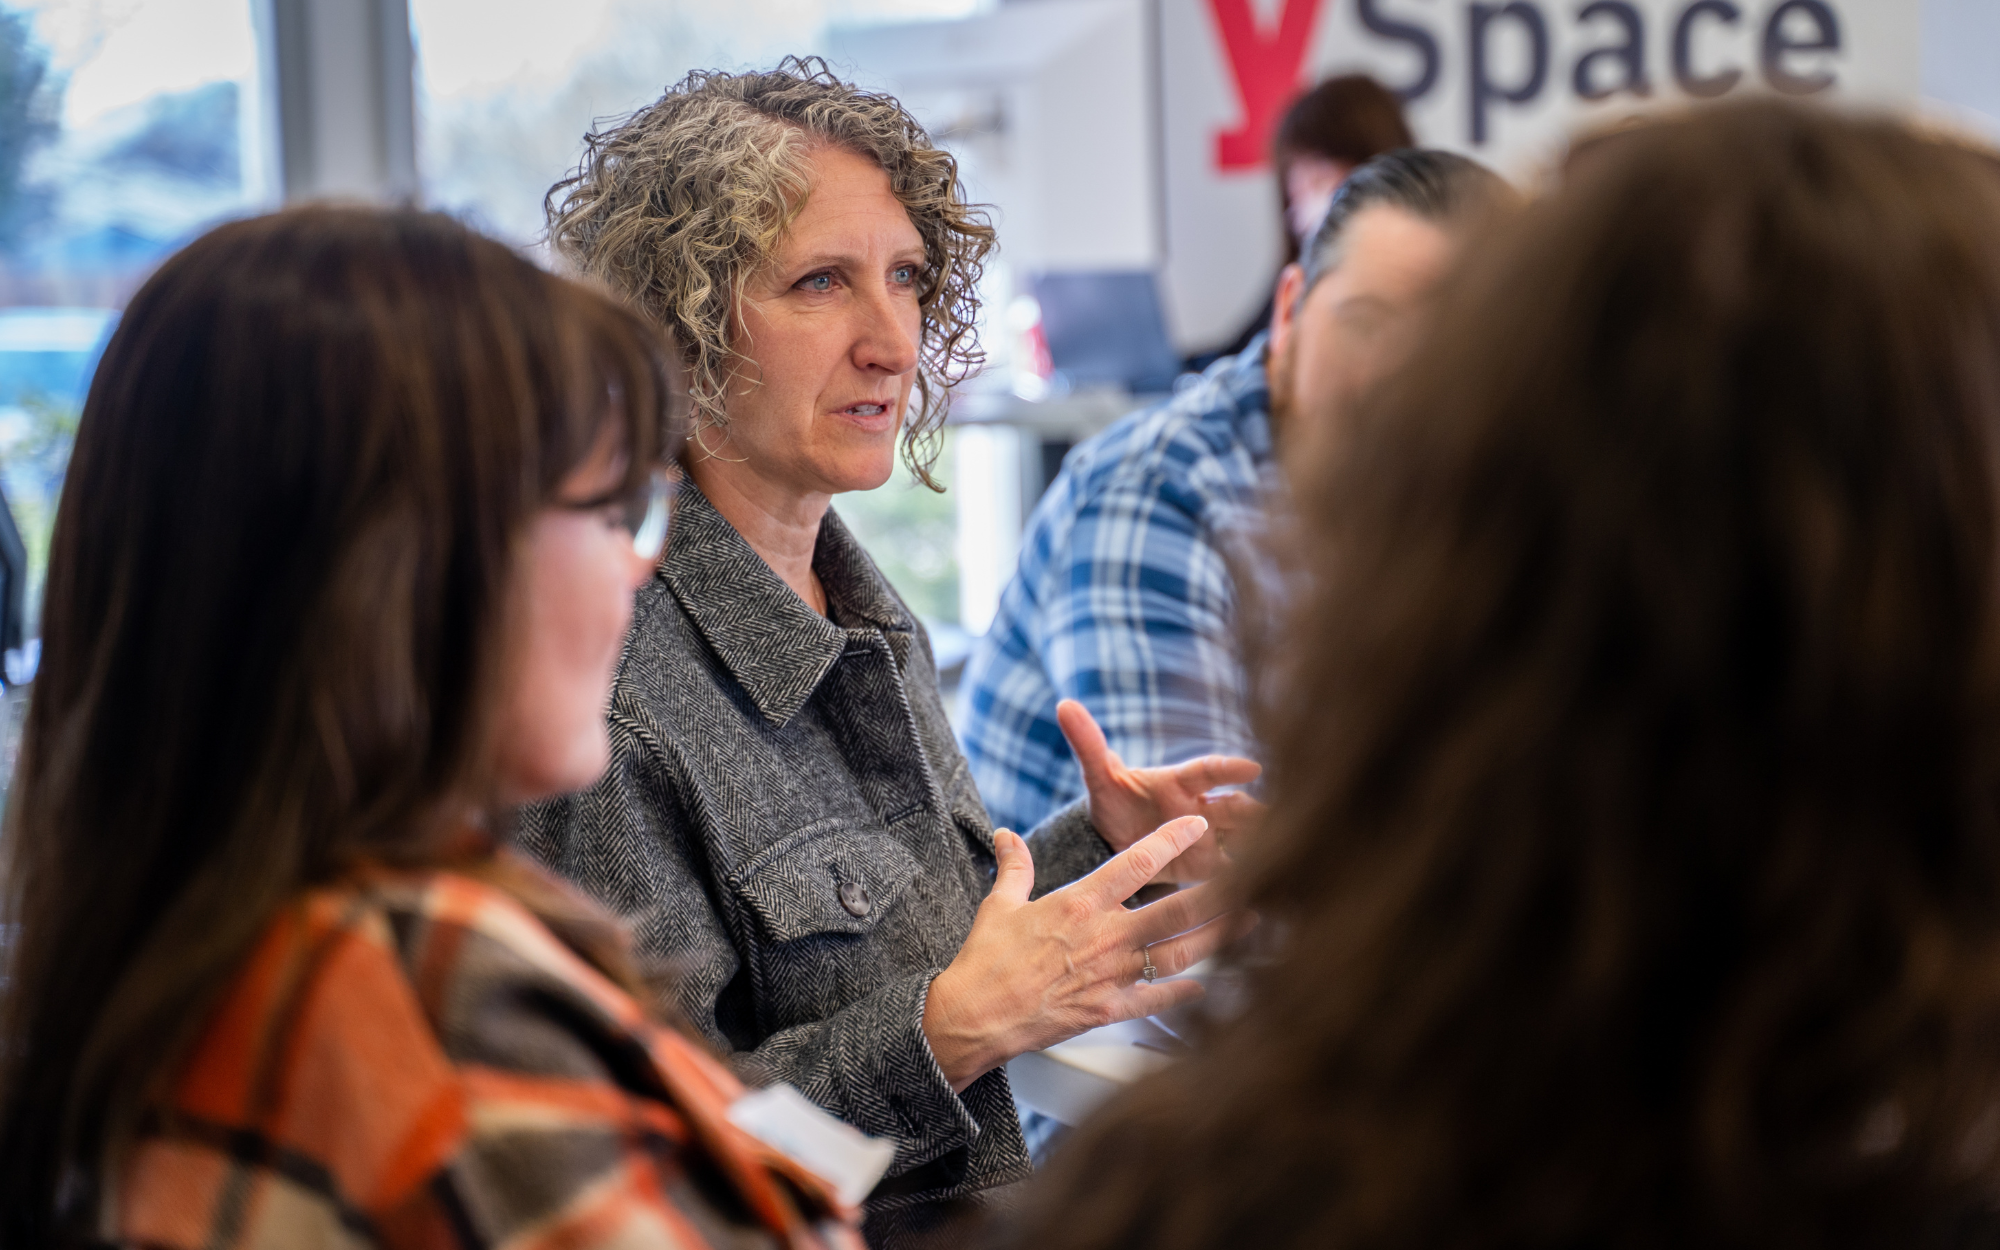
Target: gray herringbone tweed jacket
pixel 792 833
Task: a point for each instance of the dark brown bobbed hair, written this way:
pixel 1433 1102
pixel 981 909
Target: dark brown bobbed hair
pixel 1635 758
pixel 1350 118
pixel 270 629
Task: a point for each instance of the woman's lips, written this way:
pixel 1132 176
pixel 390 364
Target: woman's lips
pixel 869 415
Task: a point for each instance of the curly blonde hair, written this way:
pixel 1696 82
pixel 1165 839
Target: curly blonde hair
pixel 680 204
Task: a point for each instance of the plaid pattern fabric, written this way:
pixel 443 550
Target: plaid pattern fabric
pixel 415 1059
pixel 1123 599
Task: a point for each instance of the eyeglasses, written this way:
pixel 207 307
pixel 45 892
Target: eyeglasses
pixel 647 514
pixel 644 514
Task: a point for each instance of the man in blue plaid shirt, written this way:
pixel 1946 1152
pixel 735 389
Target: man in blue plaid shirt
pixel 1124 599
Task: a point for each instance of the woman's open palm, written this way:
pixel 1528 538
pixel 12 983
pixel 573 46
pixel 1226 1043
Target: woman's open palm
pixel 1128 803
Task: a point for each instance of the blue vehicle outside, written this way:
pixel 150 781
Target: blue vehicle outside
pixel 48 354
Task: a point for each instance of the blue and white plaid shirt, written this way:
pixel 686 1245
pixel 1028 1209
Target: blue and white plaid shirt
pixel 1123 599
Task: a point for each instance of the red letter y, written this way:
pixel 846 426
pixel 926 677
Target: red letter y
pixel 1266 69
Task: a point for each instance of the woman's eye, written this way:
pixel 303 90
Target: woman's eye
pixel 903 275
pixel 818 283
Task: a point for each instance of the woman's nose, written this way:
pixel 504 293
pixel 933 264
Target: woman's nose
pixel 888 334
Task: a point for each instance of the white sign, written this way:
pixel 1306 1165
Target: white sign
pixel 1503 80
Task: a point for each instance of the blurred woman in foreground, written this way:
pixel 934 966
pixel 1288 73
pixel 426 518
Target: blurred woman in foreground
pixel 344 561
pixel 1636 826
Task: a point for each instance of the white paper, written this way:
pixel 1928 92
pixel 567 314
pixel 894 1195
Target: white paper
pixel 789 1122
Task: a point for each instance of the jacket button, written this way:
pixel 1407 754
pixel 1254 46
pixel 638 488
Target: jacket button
pixel 854 897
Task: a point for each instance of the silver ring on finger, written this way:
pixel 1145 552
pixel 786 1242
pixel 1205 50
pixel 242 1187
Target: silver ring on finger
pixel 1149 971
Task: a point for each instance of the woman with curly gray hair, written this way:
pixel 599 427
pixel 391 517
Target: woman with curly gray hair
pixel 788 823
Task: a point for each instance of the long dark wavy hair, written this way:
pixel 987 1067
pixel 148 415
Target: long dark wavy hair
pixel 1635 754
pixel 269 640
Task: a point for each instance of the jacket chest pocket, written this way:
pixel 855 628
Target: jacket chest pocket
pixel 824 900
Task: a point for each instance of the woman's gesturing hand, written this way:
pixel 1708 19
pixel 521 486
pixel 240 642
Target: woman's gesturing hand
pixel 1032 974
pixel 1127 803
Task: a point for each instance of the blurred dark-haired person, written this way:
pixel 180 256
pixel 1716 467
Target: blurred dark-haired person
pixel 1327 133
pixel 1125 600
pixel 787 821
pixel 343 564
pixel 1635 837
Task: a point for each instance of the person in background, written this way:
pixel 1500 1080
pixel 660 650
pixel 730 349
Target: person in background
pixel 1327 133
pixel 787 821
pixel 1635 827
pixel 1125 599
pixel 345 556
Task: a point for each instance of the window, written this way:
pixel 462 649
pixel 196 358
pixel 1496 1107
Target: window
pixel 505 94
pixel 126 128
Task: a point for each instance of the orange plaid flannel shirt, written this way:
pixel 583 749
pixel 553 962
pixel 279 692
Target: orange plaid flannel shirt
pixel 415 1059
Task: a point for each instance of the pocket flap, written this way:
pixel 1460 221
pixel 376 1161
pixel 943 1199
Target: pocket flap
pixel 839 880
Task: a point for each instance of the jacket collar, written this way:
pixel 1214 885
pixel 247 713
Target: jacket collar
pixel 771 640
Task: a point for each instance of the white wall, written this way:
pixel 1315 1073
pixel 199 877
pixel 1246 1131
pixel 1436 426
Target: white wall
pixel 1465 61
pixel 1961 60
pixel 1049 106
